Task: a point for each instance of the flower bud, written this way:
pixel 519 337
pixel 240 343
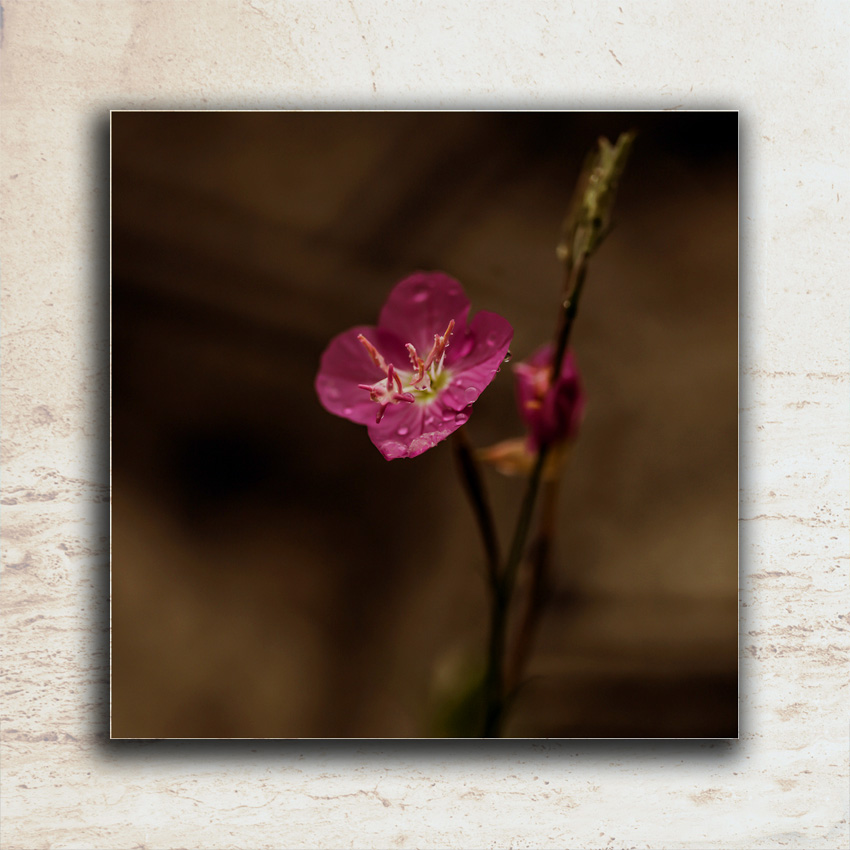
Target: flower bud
pixel 551 409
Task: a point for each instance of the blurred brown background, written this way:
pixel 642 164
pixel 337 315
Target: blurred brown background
pixel 252 593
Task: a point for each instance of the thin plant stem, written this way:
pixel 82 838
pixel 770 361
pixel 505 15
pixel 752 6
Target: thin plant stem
pixel 494 682
pixel 569 311
pixel 473 483
pixel 495 692
pixel 541 557
pixel 523 525
pixel 584 229
pixel 495 678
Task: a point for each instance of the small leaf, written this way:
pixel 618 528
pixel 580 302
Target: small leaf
pixel 512 457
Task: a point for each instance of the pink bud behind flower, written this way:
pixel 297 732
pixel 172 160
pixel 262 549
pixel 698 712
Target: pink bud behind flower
pixel 551 409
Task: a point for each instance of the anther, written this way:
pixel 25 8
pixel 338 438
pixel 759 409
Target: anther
pixel 417 363
pixel 373 352
pixel 441 343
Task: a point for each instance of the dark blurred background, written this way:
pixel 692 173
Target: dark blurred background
pixel 253 593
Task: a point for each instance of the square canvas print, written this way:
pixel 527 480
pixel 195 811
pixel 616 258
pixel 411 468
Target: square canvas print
pixel 424 424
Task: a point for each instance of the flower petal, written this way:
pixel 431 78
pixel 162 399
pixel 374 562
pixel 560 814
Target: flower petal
pixel 411 429
pixel 476 357
pixel 423 305
pixel 345 363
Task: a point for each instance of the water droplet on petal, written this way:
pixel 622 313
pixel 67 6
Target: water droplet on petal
pixel 472 393
pixel 333 392
pixel 491 338
pixel 461 417
pixel 430 419
pixel 448 415
pixel 420 294
pixel 403 431
pixel 347 411
pixel 507 358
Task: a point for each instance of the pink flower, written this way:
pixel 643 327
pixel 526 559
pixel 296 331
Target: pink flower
pixel 551 410
pixel 413 378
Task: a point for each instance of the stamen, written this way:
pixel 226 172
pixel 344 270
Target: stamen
pixel 397 388
pixel 377 359
pixel 387 394
pixel 441 343
pixel 418 364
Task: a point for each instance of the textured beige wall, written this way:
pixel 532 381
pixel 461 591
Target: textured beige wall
pixel 785 783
